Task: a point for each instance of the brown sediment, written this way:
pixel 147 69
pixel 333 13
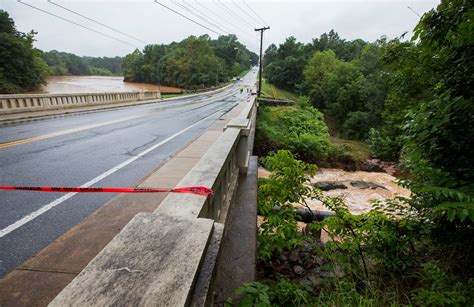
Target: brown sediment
pixel 98 84
pixel 361 188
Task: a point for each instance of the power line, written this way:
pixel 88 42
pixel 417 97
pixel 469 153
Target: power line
pixel 246 13
pixel 97 22
pixel 255 13
pixel 233 13
pixel 78 24
pixel 226 21
pixel 200 15
pixel 414 12
pixel 184 16
pixel 216 23
pixel 196 15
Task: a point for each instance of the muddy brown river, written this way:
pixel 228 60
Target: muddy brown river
pixel 97 84
pixel 357 189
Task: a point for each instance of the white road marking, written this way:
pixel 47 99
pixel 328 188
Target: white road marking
pixel 62 199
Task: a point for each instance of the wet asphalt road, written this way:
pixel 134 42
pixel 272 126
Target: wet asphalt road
pixel 91 145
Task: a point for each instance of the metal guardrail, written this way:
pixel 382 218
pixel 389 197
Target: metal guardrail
pixel 157 258
pixel 38 102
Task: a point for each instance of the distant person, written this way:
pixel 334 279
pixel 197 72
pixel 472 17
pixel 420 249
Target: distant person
pixel 241 89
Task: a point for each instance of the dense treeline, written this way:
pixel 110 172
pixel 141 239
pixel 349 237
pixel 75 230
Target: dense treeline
pixel 195 62
pixel 24 68
pixel 342 78
pixel 192 63
pixel 62 63
pixel 21 66
pixel 415 98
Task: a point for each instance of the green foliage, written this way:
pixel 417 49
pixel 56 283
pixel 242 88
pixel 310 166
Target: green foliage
pixel 21 67
pixel 439 135
pixel 287 293
pixel 404 251
pixel 430 99
pixel 284 65
pixel 385 145
pixel 300 128
pixel 62 63
pixel 339 77
pixel 281 293
pixel 439 289
pixel 254 294
pixel 357 125
pixel 285 185
pixel 273 92
pixel 195 62
pixel 417 250
pixel 315 73
pixel 352 93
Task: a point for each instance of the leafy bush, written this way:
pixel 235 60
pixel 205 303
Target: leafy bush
pixel 300 129
pixel 383 146
pixel 439 289
pixel 357 125
pixel 285 185
pixel 281 293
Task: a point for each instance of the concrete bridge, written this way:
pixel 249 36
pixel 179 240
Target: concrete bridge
pixel 150 249
pixel 10 104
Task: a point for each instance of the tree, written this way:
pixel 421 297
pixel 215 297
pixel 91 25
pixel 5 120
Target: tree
pixel 315 74
pixel 195 62
pixel 440 131
pixel 284 65
pixel 21 66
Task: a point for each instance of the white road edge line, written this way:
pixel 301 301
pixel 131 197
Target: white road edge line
pixel 62 199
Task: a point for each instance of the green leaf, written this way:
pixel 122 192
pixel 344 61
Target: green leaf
pixel 462 214
pixel 451 214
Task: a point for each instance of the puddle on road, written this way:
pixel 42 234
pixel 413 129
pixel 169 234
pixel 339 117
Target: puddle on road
pixel 361 188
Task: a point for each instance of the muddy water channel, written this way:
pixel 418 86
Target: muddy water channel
pixel 358 189
pixel 97 84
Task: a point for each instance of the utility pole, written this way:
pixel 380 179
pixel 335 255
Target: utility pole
pixel 260 70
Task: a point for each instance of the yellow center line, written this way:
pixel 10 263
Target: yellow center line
pixel 59 133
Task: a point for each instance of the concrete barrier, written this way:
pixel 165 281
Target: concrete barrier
pixel 38 102
pixel 168 257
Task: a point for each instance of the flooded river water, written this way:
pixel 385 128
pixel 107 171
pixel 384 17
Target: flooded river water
pixel 97 84
pixel 357 189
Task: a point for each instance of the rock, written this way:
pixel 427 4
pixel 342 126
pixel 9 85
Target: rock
pixel 305 282
pixel 294 256
pixel 329 185
pixel 316 281
pixel 366 185
pixel 298 270
pixel 371 167
pixel 283 258
pixel 327 274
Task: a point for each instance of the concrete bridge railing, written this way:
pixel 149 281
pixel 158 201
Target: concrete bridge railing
pixel 40 102
pixel 168 257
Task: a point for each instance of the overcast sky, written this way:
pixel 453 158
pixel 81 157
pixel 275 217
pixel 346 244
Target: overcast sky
pixel 152 23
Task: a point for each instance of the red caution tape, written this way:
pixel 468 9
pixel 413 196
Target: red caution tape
pixel 190 190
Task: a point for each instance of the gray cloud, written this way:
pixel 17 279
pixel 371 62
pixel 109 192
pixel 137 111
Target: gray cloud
pixel 148 21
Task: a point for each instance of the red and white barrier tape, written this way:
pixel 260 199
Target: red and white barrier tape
pixel 190 190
